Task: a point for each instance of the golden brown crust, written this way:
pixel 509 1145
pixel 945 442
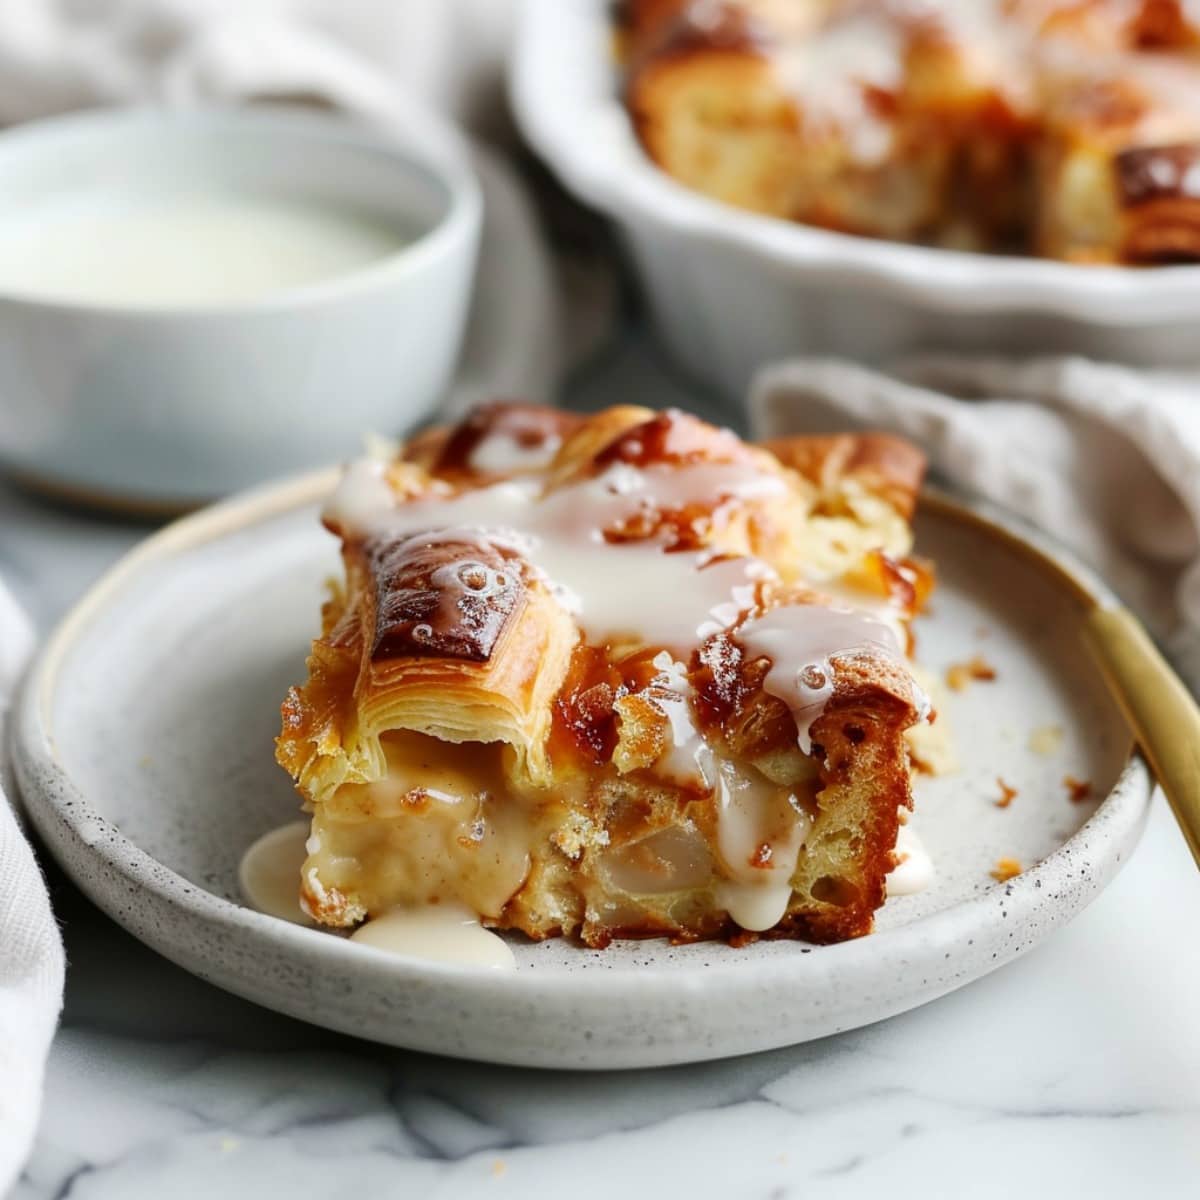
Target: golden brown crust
pixel 1159 195
pixel 887 465
pixel 751 111
pixel 446 596
pixel 1163 25
pixel 1146 174
pixel 643 22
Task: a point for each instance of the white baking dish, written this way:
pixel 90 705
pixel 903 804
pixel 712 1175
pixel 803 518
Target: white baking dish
pixel 730 290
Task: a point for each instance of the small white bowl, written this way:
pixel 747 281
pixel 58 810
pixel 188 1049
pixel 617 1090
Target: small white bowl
pixel 165 406
pixel 730 290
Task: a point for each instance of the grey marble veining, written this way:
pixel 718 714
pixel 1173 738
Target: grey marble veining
pixel 1075 1071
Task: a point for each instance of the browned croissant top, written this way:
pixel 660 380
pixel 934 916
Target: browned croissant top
pixel 529 553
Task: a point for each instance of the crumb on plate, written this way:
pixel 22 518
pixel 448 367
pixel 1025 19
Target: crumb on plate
pixel 1007 795
pixel 1005 869
pixel 1078 790
pixel 958 675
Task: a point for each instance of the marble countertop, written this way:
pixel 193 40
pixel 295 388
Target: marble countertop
pixel 1075 1071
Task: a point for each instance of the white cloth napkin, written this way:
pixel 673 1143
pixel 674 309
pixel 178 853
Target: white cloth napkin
pixel 1106 459
pixel 31 950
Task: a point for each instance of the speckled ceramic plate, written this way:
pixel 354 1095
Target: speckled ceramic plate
pixel 144 753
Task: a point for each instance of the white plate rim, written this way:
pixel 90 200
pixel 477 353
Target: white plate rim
pixel 61 812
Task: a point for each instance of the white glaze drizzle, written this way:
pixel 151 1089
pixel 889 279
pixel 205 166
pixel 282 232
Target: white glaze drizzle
pixel 801 641
pixel 437 933
pixel 502 453
pixel 269 872
pixel 888 610
pixel 829 73
pixel 686 757
pixel 362 489
pixel 830 66
pixel 757 819
pixel 631 589
pixel 914 868
pixel 269 878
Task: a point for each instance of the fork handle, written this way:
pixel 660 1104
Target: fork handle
pixel 1162 713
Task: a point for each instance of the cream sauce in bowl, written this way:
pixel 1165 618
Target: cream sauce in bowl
pixel 118 246
pixel 194 300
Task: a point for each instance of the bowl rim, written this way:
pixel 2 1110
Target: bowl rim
pixel 432 149
pixel 575 122
pixel 59 806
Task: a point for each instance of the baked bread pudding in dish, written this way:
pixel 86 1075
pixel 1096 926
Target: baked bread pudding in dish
pixel 1063 128
pixel 621 675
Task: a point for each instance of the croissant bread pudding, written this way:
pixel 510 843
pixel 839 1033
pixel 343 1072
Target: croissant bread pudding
pixel 614 676
pixel 1063 128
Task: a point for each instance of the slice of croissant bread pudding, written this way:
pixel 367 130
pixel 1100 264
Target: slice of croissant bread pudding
pixel 614 676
